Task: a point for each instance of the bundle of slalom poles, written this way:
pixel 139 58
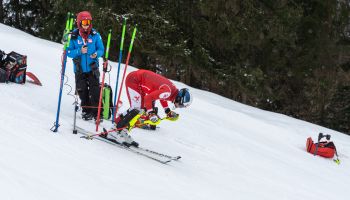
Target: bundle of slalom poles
pixel 116 101
pixel 115 107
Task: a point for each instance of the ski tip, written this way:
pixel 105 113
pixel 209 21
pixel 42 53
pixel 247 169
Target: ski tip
pixel 173 159
pixel 166 162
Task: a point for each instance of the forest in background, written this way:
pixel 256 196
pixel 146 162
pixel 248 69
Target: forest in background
pixel 287 56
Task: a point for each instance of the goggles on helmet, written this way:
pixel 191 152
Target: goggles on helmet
pixel 85 22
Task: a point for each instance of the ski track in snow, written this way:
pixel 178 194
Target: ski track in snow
pixel 229 150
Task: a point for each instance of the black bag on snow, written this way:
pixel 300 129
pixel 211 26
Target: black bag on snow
pixel 15 66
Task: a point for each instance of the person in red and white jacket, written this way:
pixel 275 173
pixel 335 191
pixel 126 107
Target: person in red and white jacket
pixel 144 87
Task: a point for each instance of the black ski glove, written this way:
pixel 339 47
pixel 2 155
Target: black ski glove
pixel 153 117
pixel 171 115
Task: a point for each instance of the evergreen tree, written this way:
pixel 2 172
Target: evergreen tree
pixel 2 11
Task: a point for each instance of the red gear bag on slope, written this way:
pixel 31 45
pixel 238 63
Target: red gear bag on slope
pixel 325 149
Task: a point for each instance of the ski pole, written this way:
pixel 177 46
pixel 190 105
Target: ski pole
pixel 105 64
pixel 119 61
pixel 126 65
pixel 149 122
pixel 69 26
pixel 336 153
pixel 90 137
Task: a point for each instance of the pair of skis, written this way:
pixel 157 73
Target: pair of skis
pixel 144 152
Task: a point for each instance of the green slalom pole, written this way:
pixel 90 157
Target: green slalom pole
pixel 117 80
pixel 70 28
pixel 126 65
pixel 105 64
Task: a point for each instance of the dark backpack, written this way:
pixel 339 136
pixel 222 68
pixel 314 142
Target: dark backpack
pixel 13 67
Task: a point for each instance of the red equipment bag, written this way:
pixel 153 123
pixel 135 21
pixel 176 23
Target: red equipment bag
pixel 325 149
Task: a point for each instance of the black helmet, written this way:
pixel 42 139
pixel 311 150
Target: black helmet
pixel 183 98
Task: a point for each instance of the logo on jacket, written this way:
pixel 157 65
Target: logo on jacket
pixel 89 40
pixel 80 42
pixel 164 95
pixel 137 99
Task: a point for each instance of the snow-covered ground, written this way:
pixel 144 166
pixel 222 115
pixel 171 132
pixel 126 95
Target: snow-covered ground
pixel 229 150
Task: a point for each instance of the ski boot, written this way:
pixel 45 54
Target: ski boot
pixel 87 116
pixel 122 137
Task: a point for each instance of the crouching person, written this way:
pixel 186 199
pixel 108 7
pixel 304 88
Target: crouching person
pixel 143 89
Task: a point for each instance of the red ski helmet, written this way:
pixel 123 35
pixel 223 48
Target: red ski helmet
pixel 84 15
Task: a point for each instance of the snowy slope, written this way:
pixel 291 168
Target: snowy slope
pixel 229 150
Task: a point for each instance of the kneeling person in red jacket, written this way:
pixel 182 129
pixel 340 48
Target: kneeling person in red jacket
pixel 143 88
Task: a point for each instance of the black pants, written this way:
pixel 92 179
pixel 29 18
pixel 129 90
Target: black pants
pixel 87 86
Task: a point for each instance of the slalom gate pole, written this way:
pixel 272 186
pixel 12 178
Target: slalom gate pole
pixel 119 61
pixel 126 65
pixel 69 26
pixel 105 64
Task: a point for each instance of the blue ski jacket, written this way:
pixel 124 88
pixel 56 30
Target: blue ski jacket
pixel 94 45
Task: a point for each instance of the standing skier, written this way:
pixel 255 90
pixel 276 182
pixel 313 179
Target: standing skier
pixel 85 48
pixel 143 88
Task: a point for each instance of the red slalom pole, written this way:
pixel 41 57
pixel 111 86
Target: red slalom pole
pixel 105 64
